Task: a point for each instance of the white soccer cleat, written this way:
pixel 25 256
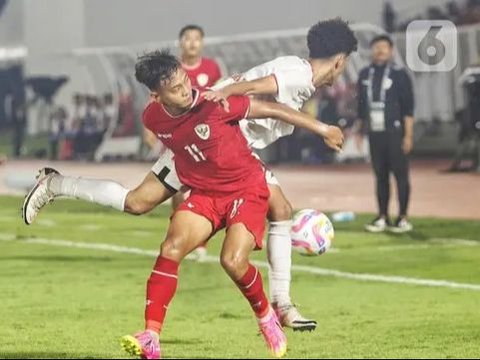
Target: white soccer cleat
pixel 39 196
pixel 289 316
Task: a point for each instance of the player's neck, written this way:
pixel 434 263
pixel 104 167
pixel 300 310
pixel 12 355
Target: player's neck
pixel 191 62
pixel 320 72
pixel 174 111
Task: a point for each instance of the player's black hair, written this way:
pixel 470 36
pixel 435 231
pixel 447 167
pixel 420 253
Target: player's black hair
pixel 155 67
pixel 191 27
pixel 331 37
pixel 383 37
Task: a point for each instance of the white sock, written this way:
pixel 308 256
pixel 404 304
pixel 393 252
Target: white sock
pixel 279 252
pixel 103 192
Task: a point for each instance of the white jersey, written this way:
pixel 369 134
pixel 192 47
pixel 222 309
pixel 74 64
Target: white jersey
pixel 295 87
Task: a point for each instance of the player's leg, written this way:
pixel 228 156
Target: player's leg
pixel 279 252
pixel 177 199
pixel 245 221
pixel 238 245
pixel 200 253
pixel 145 197
pixel 159 185
pixel 186 231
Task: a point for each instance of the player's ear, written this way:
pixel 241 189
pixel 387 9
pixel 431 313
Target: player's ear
pixel 154 96
pixel 339 61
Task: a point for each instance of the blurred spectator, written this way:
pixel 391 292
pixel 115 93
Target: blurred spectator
pixel 453 11
pixel 89 129
pixel 389 17
pixel 460 13
pixel 78 110
pixel 469 135
pixel 58 123
pixel 108 111
pixel 16 115
pixel 436 13
pixel 472 14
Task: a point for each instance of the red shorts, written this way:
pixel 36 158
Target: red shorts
pixel 248 207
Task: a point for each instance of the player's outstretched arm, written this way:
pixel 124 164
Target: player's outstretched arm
pixel 332 135
pixel 263 86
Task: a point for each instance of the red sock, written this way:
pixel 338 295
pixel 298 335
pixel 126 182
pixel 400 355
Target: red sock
pixel 161 287
pixel 251 286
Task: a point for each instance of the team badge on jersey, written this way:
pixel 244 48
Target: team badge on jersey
pixel 202 79
pixel 203 131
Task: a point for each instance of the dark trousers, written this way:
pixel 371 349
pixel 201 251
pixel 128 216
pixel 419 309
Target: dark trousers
pixel 387 156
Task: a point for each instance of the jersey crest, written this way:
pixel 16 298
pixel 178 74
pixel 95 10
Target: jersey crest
pixel 203 131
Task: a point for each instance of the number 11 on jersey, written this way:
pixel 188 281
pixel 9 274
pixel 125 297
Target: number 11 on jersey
pixel 195 152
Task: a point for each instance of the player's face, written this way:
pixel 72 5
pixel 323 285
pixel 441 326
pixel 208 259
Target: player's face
pixel 191 43
pixel 176 93
pixel 381 52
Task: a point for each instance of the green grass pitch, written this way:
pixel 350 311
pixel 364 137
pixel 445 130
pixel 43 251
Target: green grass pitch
pixel 68 302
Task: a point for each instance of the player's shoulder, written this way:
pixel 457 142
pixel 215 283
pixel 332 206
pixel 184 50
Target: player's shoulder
pixel 206 61
pixel 152 109
pixel 289 61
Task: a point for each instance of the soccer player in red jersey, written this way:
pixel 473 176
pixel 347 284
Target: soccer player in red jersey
pixel 228 190
pixel 202 71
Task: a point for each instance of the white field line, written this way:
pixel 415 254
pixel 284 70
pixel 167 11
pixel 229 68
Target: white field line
pixel 428 244
pixel 213 259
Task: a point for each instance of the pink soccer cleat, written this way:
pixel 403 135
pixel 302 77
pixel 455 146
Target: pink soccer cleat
pixel 273 334
pixel 145 344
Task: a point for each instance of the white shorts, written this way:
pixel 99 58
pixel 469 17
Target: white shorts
pixel 164 170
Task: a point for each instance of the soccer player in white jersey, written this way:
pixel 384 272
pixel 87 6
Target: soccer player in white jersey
pixel 292 81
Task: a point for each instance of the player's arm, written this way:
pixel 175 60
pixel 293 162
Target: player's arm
pixel 263 86
pixel 149 138
pixel 332 135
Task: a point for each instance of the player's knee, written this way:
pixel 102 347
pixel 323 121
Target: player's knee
pixel 171 249
pixel 281 211
pixel 234 264
pixel 135 205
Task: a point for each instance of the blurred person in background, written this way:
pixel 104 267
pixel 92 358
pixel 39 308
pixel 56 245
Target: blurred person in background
pixel 78 110
pixel 15 112
pixel 385 110
pixel 58 123
pixel 202 71
pixel 108 111
pixel 469 134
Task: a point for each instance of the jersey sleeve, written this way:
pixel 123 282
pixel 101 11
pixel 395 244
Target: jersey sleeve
pixel 292 81
pixel 239 108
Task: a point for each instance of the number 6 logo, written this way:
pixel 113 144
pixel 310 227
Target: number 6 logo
pixel 431 45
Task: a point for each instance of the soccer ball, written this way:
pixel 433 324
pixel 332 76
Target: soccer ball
pixel 312 232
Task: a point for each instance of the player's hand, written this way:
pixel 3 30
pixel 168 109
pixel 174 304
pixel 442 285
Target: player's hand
pixel 407 144
pixel 334 138
pixel 218 97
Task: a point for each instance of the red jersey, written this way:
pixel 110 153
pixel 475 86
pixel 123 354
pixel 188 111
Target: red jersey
pixel 205 74
pixel 210 151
